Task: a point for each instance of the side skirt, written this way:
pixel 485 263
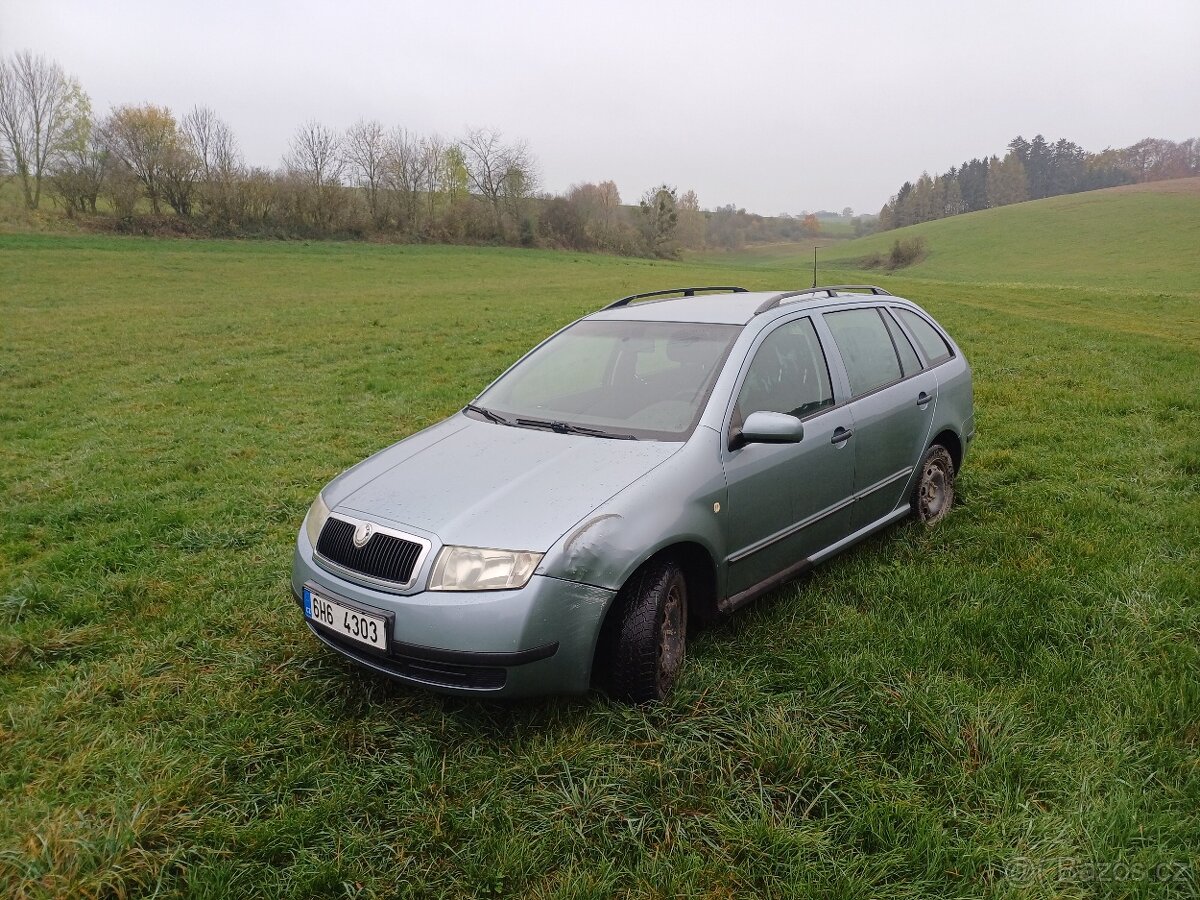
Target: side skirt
pixel 729 604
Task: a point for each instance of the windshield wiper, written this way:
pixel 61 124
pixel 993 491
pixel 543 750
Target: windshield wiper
pixel 488 414
pixel 571 428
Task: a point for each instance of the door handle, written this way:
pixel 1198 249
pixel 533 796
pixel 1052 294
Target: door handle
pixel 923 399
pixel 841 435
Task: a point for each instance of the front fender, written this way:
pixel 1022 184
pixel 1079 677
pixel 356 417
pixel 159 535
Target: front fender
pixel 677 502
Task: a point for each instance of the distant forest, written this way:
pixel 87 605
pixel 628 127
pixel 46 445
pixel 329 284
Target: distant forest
pixel 140 169
pixel 1031 170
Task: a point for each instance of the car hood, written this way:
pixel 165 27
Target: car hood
pixel 480 484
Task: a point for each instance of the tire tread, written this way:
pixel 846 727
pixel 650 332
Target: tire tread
pixel 632 664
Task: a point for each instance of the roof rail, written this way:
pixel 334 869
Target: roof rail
pixel 832 291
pixel 685 291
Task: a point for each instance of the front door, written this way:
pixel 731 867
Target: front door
pixel 786 501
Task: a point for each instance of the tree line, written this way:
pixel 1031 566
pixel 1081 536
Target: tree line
pixel 140 168
pixel 1031 170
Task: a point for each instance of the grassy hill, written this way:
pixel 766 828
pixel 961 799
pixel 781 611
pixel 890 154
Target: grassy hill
pixel 1141 237
pixel 1004 706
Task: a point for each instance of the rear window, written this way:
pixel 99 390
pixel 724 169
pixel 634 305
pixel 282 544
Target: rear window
pixel 933 345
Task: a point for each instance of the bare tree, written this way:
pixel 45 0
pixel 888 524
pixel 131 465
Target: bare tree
pixel 219 159
pixel 505 175
pixel 521 181
pixel 449 164
pixel 366 148
pixel 433 154
pixel 315 155
pixel 609 203
pixel 39 104
pixel 180 175
pixel 315 160
pixel 212 141
pixel 405 170
pixel 692 222
pixel 81 167
pixel 257 196
pixel 121 187
pixel 445 172
pixel 597 207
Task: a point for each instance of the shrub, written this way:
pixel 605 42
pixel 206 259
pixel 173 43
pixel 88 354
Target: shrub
pixel 906 252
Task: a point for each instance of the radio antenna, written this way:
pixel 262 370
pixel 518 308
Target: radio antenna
pixel 814 265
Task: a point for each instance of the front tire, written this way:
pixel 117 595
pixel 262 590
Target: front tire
pixel 650 634
pixel 933 494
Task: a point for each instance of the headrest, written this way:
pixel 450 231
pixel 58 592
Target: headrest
pixel 690 352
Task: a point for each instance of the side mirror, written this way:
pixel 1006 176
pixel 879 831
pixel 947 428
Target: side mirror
pixel 771 428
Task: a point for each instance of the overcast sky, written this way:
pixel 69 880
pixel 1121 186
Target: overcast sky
pixel 777 107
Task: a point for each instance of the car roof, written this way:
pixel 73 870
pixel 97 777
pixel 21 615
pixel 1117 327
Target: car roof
pixel 723 309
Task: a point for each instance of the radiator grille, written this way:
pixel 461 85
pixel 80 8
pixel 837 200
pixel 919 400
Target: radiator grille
pixel 384 556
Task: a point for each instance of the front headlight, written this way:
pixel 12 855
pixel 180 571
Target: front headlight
pixel 479 569
pixel 315 520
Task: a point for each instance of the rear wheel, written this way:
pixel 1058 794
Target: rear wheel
pixel 650 633
pixel 933 494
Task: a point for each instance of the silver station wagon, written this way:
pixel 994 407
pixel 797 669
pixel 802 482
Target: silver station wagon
pixel 652 466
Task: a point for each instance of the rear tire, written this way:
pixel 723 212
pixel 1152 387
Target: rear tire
pixel 933 494
pixel 649 634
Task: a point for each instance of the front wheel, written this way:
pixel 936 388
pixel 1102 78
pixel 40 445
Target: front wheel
pixel 933 494
pixel 650 634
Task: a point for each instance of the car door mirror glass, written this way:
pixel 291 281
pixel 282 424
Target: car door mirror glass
pixel 771 428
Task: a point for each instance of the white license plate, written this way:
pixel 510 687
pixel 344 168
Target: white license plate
pixel 351 623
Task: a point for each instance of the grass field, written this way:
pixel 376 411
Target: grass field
pixel 1143 237
pixel 1005 706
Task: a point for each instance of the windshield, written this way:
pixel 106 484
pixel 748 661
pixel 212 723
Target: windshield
pixel 620 379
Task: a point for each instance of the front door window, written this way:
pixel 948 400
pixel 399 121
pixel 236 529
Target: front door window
pixel 788 375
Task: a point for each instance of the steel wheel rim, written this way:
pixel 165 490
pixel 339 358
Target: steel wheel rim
pixel 671 637
pixel 934 491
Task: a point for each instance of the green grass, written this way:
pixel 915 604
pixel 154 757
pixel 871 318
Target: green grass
pixel 1004 706
pixel 1143 238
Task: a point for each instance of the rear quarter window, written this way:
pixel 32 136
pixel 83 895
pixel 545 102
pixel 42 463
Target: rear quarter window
pixel 904 348
pixel 933 345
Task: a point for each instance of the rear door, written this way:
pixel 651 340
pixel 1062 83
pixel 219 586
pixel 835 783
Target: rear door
pixel 892 402
pixel 786 501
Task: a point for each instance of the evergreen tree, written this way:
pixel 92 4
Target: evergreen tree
pixel 1037 168
pixel 1019 147
pixel 1007 182
pixel 972 179
pixel 924 201
pixel 660 218
pixel 1067 168
pixel 953 199
pixel 903 206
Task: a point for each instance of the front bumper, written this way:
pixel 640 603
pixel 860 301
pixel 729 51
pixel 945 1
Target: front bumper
pixel 537 640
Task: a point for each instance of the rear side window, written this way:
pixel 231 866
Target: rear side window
pixel 933 345
pixel 866 348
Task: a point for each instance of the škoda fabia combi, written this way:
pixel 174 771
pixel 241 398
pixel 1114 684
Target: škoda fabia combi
pixel 655 464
